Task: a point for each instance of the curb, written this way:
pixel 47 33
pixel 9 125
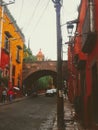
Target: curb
pixel 15 100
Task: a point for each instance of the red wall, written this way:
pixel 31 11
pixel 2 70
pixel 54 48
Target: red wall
pixel 4 59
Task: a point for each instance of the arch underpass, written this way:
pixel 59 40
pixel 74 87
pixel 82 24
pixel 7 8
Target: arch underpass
pixel 32 78
pixel 33 71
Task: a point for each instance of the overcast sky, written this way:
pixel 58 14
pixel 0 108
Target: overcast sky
pixel 37 20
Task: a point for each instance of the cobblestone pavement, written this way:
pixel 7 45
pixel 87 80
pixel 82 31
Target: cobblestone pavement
pixel 51 123
pixel 70 122
pixel 46 124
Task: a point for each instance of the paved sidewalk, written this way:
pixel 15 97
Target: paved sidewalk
pixel 70 122
pixel 13 101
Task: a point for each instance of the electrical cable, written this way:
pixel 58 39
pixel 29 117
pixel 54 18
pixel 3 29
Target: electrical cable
pixel 21 10
pixel 32 16
pixel 42 14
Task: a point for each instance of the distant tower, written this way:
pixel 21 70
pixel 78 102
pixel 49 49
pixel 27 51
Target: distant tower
pixel 29 44
pixel 40 56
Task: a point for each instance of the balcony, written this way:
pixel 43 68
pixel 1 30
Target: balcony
pixel 88 42
pixel 80 60
pixel 88 33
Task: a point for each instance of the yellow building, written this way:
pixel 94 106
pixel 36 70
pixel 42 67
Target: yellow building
pixel 12 45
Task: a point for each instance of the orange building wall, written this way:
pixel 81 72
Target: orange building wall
pixel 16 39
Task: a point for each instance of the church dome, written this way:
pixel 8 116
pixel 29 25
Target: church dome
pixel 40 56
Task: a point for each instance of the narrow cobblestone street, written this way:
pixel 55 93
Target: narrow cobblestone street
pixel 28 113
pixel 70 122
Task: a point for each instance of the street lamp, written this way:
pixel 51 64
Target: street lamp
pixel 70 29
pixel 60 102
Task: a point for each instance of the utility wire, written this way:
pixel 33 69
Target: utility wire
pixel 17 8
pixel 29 22
pixel 36 25
pixel 23 5
pixel 21 10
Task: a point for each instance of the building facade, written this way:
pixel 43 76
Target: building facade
pixel 11 49
pixel 83 65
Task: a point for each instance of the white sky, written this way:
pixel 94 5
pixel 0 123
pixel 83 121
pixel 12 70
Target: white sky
pixel 37 19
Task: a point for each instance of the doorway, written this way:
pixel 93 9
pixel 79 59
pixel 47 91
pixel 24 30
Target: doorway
pixel 95 93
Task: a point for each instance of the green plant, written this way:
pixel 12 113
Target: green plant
pixel 4 81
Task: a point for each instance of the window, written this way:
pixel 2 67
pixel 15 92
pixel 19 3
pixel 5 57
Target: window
pixel 6 41
pixel 18 58
pixel 18 80
pixel 13 71
pixel 18 55
pixel 5 72
pixel 6 44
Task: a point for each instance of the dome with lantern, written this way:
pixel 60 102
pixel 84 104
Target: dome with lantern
pixel 40 56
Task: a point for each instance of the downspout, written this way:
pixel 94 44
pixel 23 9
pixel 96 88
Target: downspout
pixel 92 15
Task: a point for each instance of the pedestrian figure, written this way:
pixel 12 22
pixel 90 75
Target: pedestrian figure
pixel 66 92
pixel 10 94
pixel 4 96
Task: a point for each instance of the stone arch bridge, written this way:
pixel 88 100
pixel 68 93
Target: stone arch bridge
pixel 33 71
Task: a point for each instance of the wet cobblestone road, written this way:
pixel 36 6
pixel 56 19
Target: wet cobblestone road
pixel 29 114
pixel 43 121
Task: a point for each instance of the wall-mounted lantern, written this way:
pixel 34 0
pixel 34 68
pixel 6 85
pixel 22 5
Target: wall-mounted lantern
pixel 70 29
